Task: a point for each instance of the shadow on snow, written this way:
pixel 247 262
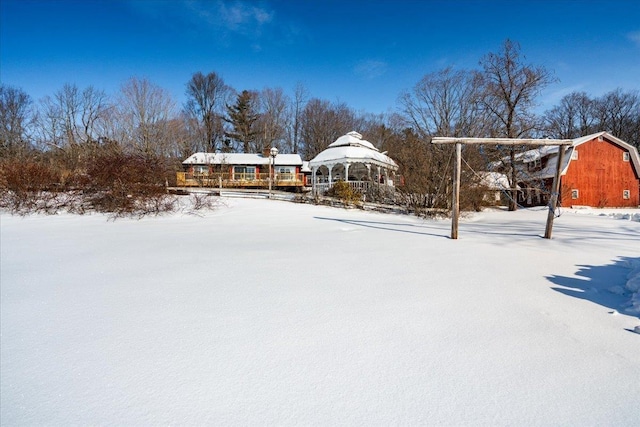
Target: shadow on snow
pixel 389 226
pixel 601 284
pixel 512 229
pixel 442 228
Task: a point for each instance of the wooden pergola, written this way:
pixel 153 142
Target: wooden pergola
pixel 553 202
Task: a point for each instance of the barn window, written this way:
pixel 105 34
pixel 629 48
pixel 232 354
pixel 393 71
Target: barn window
pixel 574 154
pixel 625 156
pixel 626 194
pixel 574 194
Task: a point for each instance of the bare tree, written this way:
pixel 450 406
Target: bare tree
pixel 510 88
pixel 93 108
pixel 207 97
pixel 73 116
pixel 49 128
pixel 272 120
pixel 145 110
pixel 16 116
pixel 577 115
pixel 71 122
pixel 574 117
pixel 322 123
pixel 619 113
pixel 445 103
pixel 300 97
pixel 181 143
pixel 376 130
pixel 68 101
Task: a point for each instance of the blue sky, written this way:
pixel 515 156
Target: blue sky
pixel 363 53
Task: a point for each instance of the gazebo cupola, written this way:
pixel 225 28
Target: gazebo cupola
pixel 353 160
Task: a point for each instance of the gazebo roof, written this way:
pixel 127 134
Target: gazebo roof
pixel 351 148
pixel 353 139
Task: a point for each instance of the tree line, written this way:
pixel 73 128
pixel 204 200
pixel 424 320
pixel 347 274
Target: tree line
pixel 71 128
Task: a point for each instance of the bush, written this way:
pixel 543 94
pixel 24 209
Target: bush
pixel 107 180
pixel 343 191
pixel 128 184
pixel 28 184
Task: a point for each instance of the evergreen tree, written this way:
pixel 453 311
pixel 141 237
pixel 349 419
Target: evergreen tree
pixel 242 117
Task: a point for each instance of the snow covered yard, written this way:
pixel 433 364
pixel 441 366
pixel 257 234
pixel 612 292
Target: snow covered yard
pixel 272 313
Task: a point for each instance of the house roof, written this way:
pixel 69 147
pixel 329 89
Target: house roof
pixel 242 159
pixel 352 148
pixel 494 180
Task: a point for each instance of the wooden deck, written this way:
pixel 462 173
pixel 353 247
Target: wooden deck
pixel 246 180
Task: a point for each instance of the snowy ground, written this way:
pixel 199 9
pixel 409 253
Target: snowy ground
pixel 273 313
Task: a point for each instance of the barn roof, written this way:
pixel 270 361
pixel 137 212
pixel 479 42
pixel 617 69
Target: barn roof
pixel 633 151
pixel 549 170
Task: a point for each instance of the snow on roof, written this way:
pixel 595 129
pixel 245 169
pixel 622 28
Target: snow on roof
pixel 355 149
pixel 354 139
pixel 241 159
pixel 494 180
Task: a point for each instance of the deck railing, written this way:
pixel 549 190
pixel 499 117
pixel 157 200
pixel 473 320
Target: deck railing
pixel 236 180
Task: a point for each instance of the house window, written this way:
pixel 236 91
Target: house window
pixel 574 154
pixel 575 194
pixel 285 173
pixel 534 165
pixel 244 173
pixel 625 156
pixel 626 194
pixel 201 170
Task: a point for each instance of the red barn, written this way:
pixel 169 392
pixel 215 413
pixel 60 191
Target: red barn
pixel 599 170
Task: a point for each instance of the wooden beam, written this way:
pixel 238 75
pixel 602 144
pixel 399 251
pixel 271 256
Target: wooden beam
pixel 553 202
pixel 500 141
pixel 455 209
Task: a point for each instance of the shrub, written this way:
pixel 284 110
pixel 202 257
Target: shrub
pixel 28 184
pixel 107 180
pixel 343 191
pixel 128 184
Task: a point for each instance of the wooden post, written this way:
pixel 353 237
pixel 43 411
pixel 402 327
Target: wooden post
pixel 455 205
pixel 562 143
pixel 553 202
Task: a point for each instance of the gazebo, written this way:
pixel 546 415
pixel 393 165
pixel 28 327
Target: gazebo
pixel 355 161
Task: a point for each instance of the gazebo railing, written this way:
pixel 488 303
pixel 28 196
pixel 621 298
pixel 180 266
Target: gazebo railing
pixel 360 186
